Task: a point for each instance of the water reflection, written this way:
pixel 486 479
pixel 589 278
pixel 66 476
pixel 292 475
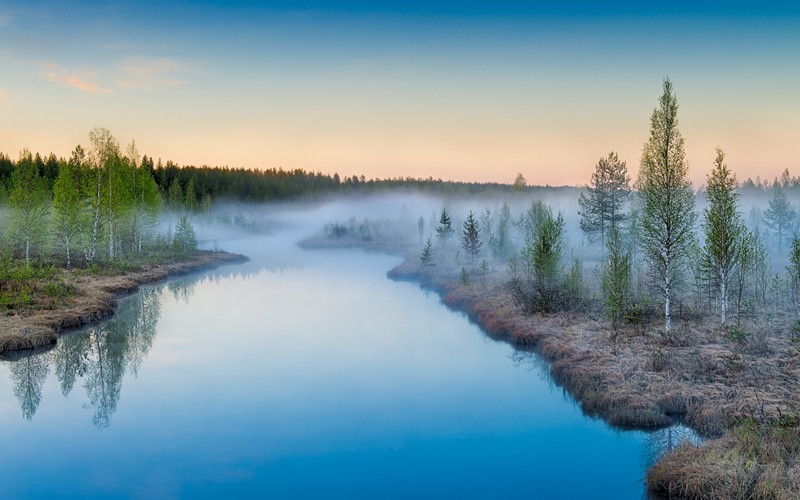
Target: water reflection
pixel 99 356
pixel 658 443
pixel 27 378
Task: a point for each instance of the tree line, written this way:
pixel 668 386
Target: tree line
pixel 99 204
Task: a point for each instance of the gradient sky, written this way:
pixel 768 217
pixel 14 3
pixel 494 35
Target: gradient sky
pixel 459 90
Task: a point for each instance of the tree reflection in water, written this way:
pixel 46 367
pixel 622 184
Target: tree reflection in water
pixel 28 374
pixel 99 355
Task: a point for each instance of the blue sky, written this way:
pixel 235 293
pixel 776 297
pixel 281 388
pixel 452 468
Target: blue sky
pixel 459 90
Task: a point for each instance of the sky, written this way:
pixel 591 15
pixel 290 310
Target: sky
pixel 469 91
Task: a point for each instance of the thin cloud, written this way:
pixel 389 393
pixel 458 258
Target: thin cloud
pixel 142 73
pixel 83 82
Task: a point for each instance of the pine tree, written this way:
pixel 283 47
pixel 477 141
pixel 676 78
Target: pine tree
pixel 668 215
pixel 602 206
pixel 28 203
pixel 724 229
pixel 470 239
pixel 780 215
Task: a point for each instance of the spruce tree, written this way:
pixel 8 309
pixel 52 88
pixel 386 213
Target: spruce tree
pixel 445 228
pixel 427 252
pixel 470 239
pixel 668 215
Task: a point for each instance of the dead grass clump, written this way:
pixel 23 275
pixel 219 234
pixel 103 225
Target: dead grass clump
pixel 672 403
pixel 752 460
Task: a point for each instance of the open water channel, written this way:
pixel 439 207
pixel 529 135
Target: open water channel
pixel 300 374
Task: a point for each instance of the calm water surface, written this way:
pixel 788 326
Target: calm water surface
pixel 299 374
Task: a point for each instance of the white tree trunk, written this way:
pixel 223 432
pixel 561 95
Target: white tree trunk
pixel 724 293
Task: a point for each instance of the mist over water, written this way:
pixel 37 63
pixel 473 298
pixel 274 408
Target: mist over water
pixel 301 373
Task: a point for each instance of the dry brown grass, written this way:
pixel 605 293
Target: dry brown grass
pixel 95 298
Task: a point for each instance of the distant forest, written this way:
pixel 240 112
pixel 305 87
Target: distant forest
pixel 196 187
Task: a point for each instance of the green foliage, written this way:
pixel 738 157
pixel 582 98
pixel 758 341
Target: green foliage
pixel 464 277
pixel 67 209
pixel 484 270
pixel 780 215
pixel 175 195
pixel 427 252
pixel 184 241
pixel 500 240
pixel 28 202
pixel 540 288
pixel 445 228
pixel 520 184
pixel 738 333
pixel 470 239
pixel 793 270
pixel 667 199
pixel 573 284
pixel 615 279
pixel 602 206
pixel 724 230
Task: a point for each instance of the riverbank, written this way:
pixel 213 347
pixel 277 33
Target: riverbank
pixel 92 297
pixel 701 375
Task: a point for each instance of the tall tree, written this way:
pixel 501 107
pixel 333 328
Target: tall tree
pixel 104 151
pixel 67 208
pixel 602 207
pixel 470 239
pixel 28 203
pixel 668 215
pixel 520 184
pixel 780 215
pixel 724 229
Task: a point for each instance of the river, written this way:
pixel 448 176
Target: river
pixel 300 374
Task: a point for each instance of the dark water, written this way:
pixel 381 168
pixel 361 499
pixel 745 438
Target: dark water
pixel 300 374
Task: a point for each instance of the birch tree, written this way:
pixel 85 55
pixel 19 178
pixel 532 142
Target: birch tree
pixel 28 203
pixel 724 228
pixel 67 209
pixel 668 215
pixel 104 150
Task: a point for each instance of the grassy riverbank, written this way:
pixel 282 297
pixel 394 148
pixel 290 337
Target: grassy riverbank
pixel 41 303
pixel 741 384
